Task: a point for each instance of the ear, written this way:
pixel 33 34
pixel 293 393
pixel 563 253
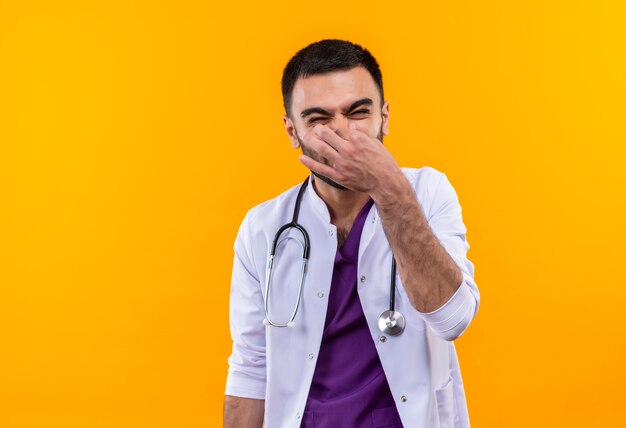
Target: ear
pixel 385 113
pixel 291 132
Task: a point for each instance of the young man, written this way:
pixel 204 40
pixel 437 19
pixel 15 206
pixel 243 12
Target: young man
pixel 327 357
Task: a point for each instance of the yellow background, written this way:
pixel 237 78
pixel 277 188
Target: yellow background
pixel 135 135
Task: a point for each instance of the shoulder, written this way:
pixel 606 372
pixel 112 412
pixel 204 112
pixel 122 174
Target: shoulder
pixel 425 176
pixel 424 180
pixel 432 188
pixel 266 214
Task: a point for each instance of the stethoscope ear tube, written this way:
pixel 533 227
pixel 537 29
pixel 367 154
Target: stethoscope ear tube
pixel 306 248
pixel 266 322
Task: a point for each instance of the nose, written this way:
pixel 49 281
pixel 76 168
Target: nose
pixel 339 122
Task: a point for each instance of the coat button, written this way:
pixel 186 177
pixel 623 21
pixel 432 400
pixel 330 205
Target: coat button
pixel 403 398
pixel 383 339
pixel 363 278
pixel 320 294
pixel 331 233
pixel 310 356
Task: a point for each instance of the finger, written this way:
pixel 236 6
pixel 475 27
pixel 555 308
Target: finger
pixel 351 134
pixel 322 148
pixel 330 137
pixel 320 168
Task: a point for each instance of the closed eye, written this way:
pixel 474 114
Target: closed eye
pixel 359 113
pixel 316 119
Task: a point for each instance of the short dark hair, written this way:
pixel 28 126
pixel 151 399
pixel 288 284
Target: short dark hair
pixel 326 56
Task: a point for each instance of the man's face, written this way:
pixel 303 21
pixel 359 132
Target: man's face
pixel 338 100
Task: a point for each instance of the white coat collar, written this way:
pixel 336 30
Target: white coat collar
pixel 318 203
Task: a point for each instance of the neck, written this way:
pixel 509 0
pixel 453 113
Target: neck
pixel 342 204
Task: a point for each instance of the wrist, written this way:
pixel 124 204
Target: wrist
pixel 392 191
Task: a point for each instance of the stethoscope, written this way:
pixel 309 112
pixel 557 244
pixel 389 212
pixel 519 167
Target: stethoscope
pixel 390 322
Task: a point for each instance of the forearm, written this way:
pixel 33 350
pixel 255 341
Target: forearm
pixel 242 412
pixel 430 276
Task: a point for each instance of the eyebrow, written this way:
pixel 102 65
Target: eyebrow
pixel 318 110
pixel 361 102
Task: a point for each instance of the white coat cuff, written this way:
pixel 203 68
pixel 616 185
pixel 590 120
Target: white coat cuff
pixel 241 386
pixel 450 320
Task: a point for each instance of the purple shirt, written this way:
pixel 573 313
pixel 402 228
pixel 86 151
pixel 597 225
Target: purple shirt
pixel 349 387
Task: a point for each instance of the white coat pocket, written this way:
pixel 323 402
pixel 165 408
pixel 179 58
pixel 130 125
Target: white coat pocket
pixel 444 398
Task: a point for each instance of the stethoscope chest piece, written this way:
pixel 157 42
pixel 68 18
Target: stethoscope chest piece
pixel 391 323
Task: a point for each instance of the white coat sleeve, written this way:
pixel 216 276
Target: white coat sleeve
pixel 453 317
pixel 246 372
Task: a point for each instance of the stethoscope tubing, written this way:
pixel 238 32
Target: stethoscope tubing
pixel 390 322
pixel 305 260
